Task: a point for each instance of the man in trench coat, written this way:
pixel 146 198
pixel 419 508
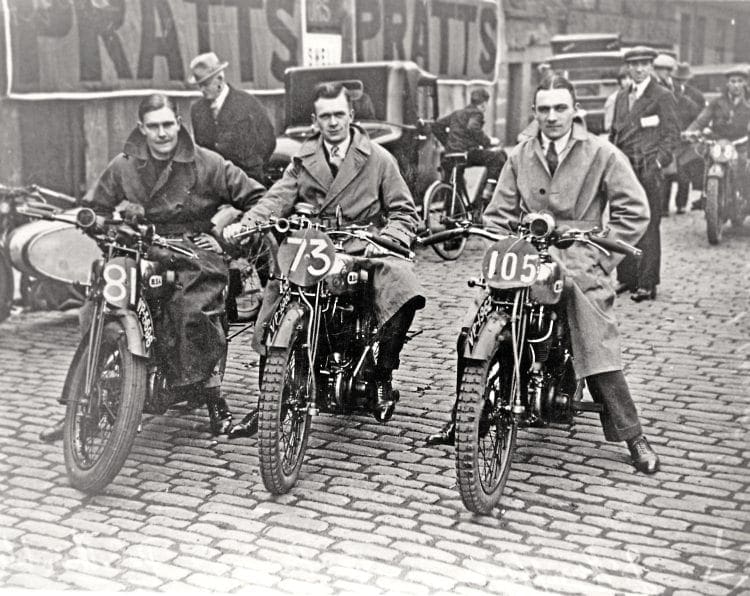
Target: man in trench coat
pixel 572 174
pixel 646 130
pixel 339 169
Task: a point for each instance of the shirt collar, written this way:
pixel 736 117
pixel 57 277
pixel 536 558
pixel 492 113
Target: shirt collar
pixel 343 145
pixel 560 144
pixel 217 103
pixel 639 88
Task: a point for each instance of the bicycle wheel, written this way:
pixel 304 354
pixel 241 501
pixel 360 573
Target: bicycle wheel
pixel 441 212
pixel 255 270
pixel 485 431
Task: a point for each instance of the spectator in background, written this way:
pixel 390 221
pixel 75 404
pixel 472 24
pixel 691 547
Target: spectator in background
pixel 664 64
pixel 462 130
pixel 624 81
pixel 646 130
pixel 229 121
pixel 690 103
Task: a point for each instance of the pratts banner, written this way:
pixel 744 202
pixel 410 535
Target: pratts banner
pixel 64 48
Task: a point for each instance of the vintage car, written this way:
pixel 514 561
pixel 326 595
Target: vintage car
pixel 390 100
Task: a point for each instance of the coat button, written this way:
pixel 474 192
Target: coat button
pixel 542 191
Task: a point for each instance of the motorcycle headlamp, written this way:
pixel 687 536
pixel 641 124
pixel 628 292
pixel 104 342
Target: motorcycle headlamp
pixel 5 207
pixel 541 225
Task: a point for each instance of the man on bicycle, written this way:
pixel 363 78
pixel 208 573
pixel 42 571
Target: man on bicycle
pixel 462 130
pixel 575 176
pixel 344 176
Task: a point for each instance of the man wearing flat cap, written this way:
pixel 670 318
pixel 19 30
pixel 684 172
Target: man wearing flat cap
pixel 645 129
pixel 229 121
pixel 690 102
pixel 728 117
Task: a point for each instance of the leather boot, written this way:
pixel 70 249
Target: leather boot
pixel 248 426
pixel 445 436
pixel 218 412
pixel 387 397
pixel 644 458
pixel 53 432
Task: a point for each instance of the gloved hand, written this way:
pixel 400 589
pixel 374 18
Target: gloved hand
pixel 230 231
pixel 132 212
pixel 207 242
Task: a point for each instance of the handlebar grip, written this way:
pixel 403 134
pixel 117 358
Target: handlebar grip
pixel 618 246
pixel 439 237
pixel 393 246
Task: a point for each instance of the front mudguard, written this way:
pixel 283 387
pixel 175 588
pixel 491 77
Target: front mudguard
pixel 478 341
pixel 293 318
pixel 137 344
pixel 716 171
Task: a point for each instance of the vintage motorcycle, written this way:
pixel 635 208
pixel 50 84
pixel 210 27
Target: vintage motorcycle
pixel 725 197
pixel 321 341
pixel 30 246
pixel 515 365
pixel 117 372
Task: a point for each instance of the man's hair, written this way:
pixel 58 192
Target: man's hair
pixel 330 91
pixel 153 102
pixel 479 96
pixel 556 82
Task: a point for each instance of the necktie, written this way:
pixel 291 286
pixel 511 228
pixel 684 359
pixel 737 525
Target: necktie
pixel 335 159
pixel 215 111
pixel 551 158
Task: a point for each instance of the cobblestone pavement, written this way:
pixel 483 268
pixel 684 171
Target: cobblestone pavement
pixel 375 511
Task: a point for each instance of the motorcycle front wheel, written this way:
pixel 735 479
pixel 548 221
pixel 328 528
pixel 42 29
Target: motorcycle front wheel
pixel 7 285
pixel 714 217
pixel 284 422
pixel 485 430
pixel 99 431
pixel 441 212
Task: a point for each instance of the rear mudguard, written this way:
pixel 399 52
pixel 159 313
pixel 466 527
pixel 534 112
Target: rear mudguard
pixel 293 317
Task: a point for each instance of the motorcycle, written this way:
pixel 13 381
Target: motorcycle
pixel 725 197
pixel 50 279
pixel 515 365
pixel 320 342
pixel 118 369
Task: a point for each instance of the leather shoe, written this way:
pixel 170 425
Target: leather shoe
pixel 445 436
pixel 386 400
pixel 644 458
pixel 247 427
pixel 52 433
pixel 642 294
pixel 621 288
pixel 218 412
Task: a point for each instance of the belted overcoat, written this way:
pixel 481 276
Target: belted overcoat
pixel 368 189
pixel 180 201
pixel 592 175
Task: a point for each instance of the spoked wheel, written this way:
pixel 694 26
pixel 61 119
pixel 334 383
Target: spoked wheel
pixel 6 285
pixel 255 270
pixel 485 431
pixel 714 216
pixel 284 422
pixel 100 431
pixel 441 211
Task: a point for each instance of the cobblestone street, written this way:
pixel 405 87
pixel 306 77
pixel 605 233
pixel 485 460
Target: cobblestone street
pixel 377 512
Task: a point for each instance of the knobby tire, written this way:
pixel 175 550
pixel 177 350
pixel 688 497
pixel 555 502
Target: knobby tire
pixel 98 436
pixel 7 284
pixel 713 210
pixel 484 451
pixel 284 423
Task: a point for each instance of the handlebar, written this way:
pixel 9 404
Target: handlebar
pixel 615 245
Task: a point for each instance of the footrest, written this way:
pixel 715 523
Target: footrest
pixel 587 406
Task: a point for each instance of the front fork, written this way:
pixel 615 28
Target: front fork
pixel 96 331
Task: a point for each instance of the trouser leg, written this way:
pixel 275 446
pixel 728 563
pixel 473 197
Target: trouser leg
pixel 393 337
pixel 619 416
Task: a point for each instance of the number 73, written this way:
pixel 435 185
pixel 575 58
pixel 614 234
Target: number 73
pixel 316 252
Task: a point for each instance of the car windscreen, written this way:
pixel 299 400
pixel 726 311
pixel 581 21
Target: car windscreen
pixel 369 87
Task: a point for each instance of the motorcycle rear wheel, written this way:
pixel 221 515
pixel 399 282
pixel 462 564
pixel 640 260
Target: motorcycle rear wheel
pixel 284 422
pixel 99 433
pixel 7 285
pixel 713 208
pixel 485 431
pixel 441 213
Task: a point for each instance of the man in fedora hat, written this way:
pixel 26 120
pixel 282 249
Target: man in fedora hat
pixel 663 66
pixel 645 129
pixel 229 121
pixel 690 102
